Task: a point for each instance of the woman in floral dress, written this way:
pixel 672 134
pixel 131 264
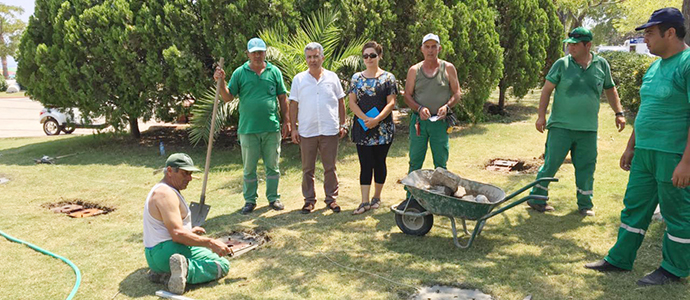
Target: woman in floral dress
pixel 372 98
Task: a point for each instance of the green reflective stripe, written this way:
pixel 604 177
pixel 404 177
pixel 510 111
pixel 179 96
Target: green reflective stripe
pixel 541 187
pixel 576 98
pixel 677 239
pixel 585 192
pixel 633 229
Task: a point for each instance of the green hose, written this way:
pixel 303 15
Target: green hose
pixel 77 281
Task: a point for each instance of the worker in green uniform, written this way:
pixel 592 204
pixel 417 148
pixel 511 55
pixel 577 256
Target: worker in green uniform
pixel 658 156
pixel 431 90
pixel 578 79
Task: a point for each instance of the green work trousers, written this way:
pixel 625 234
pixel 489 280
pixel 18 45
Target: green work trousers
pixel 582 146
pixel 267 147
pixel 650 184
pixel 432 133
pixel 204 265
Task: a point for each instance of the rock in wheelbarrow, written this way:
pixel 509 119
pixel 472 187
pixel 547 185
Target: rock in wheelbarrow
pixel 441 190
pixel 444 177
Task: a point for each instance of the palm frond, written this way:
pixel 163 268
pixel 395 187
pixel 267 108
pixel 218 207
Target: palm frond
pixel 201 119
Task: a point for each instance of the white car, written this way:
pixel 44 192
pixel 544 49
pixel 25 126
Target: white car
pixel 55 120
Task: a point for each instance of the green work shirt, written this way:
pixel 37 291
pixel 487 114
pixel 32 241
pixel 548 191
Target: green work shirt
pixel 576 100
pixel 664 116
pixel 258 107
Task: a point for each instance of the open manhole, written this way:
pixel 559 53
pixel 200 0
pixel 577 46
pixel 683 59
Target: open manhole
pixel 78 208
pixel 527 166
pixel 242 242
pixel 438 292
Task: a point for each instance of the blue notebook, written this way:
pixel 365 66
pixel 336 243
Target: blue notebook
pixel 372 113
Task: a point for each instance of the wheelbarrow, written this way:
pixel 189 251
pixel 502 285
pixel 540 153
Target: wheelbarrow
pixel 414 216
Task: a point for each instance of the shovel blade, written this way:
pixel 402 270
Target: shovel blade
pixel 199 213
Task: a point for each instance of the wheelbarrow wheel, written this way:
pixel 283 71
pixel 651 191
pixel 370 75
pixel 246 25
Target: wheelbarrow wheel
pixel 414 225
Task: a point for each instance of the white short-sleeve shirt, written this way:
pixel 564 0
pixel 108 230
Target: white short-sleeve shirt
pixel 318 103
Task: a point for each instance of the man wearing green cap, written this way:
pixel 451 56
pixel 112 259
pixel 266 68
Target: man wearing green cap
pixel 658 156
pixel 172 246
pixel 578 79
pixel 258 83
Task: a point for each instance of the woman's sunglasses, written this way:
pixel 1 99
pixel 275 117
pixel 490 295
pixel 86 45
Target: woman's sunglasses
pixel 372 55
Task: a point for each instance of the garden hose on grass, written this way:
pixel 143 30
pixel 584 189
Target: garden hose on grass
pixel 77 281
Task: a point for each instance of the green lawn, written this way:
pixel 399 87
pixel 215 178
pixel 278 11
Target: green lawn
pixel 321 255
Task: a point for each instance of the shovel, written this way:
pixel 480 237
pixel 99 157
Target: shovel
pixel 200 210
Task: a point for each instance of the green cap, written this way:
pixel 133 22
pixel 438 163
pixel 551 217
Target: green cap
pixel 579 34
pixel 182 161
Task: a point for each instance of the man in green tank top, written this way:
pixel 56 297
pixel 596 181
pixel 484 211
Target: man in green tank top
pixel 578 79
pixel 658 156
pixel 431 90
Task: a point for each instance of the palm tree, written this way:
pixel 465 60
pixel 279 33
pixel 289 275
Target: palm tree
pixel 287 53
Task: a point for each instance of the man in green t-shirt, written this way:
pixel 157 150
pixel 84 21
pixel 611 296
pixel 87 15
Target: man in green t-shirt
pixel 578 79
pixel 258 83
pixel 658 156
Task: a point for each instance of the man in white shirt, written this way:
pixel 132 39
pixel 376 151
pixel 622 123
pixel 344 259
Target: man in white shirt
pixel 316 104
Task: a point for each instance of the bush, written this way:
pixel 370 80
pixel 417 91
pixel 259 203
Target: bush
pixel 627 70
pixel 3 84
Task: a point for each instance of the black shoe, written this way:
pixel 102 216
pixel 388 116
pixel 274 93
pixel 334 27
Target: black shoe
pixel 658 277
pixel 276 205
pixel 540 207
pixel 604 266
pixel 249 207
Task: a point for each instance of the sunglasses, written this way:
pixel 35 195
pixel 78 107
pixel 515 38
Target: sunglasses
pixel 372 55
pixel 576 35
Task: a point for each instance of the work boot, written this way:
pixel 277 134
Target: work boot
pixel 276 205
pixel 156 277
pixel 178 274
pixel 658 277
pixel 586 212
pixel 604 266
pixel 249 207
pixel 540 207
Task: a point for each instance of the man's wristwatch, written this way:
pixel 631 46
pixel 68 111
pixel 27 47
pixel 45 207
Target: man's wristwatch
pixel 344 126
pixel 620 114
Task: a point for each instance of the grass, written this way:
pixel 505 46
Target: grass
pixel 519 253
pixel 12 95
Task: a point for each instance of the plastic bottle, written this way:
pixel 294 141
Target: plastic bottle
pixel 161 148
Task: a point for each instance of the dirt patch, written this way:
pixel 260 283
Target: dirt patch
pixel 179 136
pixel 512 165
pixel 78 208
pixel 437 292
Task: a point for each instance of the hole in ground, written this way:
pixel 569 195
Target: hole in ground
pixel 521 166
pixel 244 241
pixel 77 208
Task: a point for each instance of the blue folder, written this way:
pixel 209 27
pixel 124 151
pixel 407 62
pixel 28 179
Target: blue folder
pixel 372 113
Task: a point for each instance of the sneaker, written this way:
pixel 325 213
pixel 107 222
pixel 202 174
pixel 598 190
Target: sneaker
pixel 249 207
pixel 540 207
pixel 587 212
pixel 178 274
pixel 658 277
pixel 604 266
pixel 276 205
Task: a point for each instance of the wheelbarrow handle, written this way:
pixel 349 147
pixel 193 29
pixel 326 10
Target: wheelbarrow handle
pixel 529 186
pixel 513 204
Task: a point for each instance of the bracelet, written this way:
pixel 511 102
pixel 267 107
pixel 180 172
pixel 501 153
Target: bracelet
pixel 344 127
pixel 419 108
pixel 620 114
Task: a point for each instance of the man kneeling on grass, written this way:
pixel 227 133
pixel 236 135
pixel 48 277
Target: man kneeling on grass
pixel 173 247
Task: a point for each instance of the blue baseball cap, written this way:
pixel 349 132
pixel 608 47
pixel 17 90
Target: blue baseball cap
pixel 663 15
pixel 256 44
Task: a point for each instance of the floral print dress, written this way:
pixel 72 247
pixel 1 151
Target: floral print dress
pixel 372 92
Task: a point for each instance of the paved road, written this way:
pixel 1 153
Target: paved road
pixel 19 117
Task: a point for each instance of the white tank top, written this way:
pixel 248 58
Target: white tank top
pixel 155 231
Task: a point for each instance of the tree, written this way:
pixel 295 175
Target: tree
pixel 686 14
pixel 113 58
pixel 637 12
pixel 554 50
pixel 521 25
pixel 11 29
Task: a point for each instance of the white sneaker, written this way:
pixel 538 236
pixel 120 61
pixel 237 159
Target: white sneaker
pixel 178 274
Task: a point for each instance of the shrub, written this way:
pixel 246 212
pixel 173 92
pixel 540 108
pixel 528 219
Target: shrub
pixel 627 70
pixel 3 84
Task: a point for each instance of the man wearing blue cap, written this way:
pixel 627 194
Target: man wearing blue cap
pixel 258 83
pixel 579 79
pixel 658 156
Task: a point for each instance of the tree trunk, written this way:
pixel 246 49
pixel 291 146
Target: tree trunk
pixel 686 14
pixel 5 72
pixel 134 128
pixel 501 96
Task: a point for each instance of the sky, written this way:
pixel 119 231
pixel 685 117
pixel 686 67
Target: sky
pixel 28 6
